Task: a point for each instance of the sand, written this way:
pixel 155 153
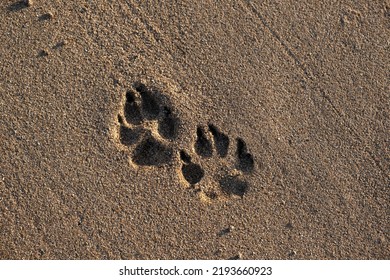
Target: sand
pixel 194 129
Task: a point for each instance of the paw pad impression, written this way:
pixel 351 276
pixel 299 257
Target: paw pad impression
pixel 209 163
pixel 147 124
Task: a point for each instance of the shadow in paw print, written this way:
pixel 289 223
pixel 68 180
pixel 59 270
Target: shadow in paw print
pixel 245 159
pixel 221 141
pixel 192 172
pixel 203 146
pixel 132 110
pixel 152 152
pixel 168 124
pixel 150 102
pixel 128 136
pixel 231 185
pixel 208 144
pixel 144 109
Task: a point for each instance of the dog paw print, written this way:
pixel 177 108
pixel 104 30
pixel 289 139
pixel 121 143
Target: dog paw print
pixel 147 125
pixel 214 172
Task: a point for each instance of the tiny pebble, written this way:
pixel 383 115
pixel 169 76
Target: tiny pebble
pixel 292 253
pixel 47 16
pixel 43 53
pixel 28 3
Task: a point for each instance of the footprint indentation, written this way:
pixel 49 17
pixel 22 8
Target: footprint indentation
pixel 221 141
pixel 203 146
pixel 245 159
pixel 232 185
pixel 223 179
pixel 150 104
pixel 127 135
pixel 168 125
pixel 132 110
pixel 152 152
pixel 146 126
pixel 192 172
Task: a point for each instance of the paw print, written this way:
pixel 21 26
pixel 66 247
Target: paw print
pixel 211 170
pixel 146 126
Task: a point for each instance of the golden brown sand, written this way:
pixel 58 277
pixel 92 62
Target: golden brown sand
pixel 194 129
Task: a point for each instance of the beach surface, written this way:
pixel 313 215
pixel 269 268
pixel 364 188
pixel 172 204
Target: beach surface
pixel 194 129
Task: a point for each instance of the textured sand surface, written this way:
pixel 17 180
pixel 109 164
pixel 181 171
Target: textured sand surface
pixel 194 129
